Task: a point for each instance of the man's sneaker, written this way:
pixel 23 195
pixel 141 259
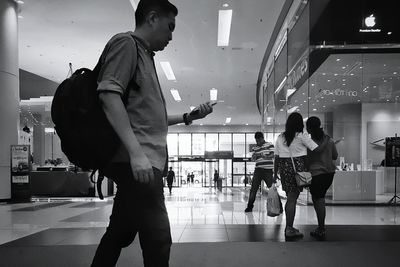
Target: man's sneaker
pixel 248 209
pixel 318 233
pixel 291 232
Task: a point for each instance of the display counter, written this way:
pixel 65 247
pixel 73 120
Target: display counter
pixel 61 183
pixel 357 185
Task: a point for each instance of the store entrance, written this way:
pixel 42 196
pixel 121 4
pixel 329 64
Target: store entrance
pixel 191 173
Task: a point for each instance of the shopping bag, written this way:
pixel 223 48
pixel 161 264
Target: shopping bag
pixel 274 204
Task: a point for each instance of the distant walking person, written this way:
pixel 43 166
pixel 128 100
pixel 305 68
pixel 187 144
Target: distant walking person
pixel 141 123
pixel 170 179
pixel 292 143
pixel 216 177
pixel 263 155
pixel 322 168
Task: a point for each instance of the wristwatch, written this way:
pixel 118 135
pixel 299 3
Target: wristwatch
pixel 185 119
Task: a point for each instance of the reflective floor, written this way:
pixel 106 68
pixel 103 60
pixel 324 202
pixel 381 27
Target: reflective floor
pixel 196 215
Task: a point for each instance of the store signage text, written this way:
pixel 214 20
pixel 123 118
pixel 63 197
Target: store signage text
pixel 336 92
pixel 296 75
pixel 369 22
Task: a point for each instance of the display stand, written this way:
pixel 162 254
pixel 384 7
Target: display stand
pixel 392 159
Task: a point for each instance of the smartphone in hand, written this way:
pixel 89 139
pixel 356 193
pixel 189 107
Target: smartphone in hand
pixel 196 110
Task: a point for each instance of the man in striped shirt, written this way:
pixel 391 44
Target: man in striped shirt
pixel 263 155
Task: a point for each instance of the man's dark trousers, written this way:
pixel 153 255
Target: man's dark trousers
pixel 138 208
pixel 259 174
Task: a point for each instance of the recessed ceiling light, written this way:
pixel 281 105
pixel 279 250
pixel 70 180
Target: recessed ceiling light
pixel 228 120
pixel 334 100
pixel 344 80
pixel 389 33
pixel 324 73
pixel 343 67
pixel 328 81
pixel 338 59
pixel 352 74
pixel 175 95
pixel 324 106
pixel 213 94
pixel 201 124
pixel 394 73
pixel 224 27
pixel 247 124
pixel 314 109
pixel 336 74
pixel 225 5
pixel 166 66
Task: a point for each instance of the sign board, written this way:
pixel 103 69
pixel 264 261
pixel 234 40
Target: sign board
pixel 392 154
pixel 20 168
pixel 218 154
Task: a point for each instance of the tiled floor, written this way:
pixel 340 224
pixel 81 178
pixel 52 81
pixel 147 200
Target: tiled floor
pixel 196 215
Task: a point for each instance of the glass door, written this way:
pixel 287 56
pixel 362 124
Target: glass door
pixel 210 167
pixel 191 173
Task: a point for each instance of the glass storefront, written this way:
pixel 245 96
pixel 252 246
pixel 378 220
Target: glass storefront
pixel 348 75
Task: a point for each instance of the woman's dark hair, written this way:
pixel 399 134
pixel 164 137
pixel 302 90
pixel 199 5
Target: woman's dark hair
pixel 294 124
pixel 162 7
pixel 313 125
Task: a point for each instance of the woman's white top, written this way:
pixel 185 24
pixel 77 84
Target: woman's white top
pixel 298 147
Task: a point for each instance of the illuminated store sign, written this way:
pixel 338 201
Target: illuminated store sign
pixel 296 75
pixel 370 22
pixel 336 92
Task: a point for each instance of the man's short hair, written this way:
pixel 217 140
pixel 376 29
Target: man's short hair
pixel 162 7
pixel 258 135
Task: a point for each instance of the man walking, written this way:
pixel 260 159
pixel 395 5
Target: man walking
pixel 133 102
pixel 170 179
pixel 263 155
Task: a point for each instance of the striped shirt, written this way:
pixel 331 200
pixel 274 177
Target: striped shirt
pixel 264 155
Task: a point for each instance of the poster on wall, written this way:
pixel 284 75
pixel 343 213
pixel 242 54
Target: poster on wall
pixel 20 168
pixel 392 154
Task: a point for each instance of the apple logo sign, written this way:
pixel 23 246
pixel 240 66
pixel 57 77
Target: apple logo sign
pixel 370 21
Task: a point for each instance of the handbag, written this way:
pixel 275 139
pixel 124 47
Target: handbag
pixel 303 179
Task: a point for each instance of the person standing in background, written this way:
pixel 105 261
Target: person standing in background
pixel 263 155
pixel 322 168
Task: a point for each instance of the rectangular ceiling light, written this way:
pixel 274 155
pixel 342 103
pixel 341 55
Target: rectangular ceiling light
pixel 213 94
pixel 168 70
pixel 134 4
pixel 224 26
pixel 289 92
pixel 293 109
pixel 175 95
pixel 228 120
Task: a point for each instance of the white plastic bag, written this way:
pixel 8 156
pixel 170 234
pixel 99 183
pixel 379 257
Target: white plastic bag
pixel 274 204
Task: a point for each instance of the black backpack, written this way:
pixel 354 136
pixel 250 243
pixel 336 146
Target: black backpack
pixel 87 137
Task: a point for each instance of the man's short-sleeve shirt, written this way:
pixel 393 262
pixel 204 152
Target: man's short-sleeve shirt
pixel 127 58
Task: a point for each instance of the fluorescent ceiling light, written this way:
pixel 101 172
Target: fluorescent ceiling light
pixel 133 3
pixel 224 26
pixel 213 94
pixel 175 95
pixel 168 70
pixel 289 92
pixel 228 120
pixel 293 109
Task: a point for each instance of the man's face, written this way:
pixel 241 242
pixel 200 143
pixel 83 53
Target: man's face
pixel 162 33
pixel 260 141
